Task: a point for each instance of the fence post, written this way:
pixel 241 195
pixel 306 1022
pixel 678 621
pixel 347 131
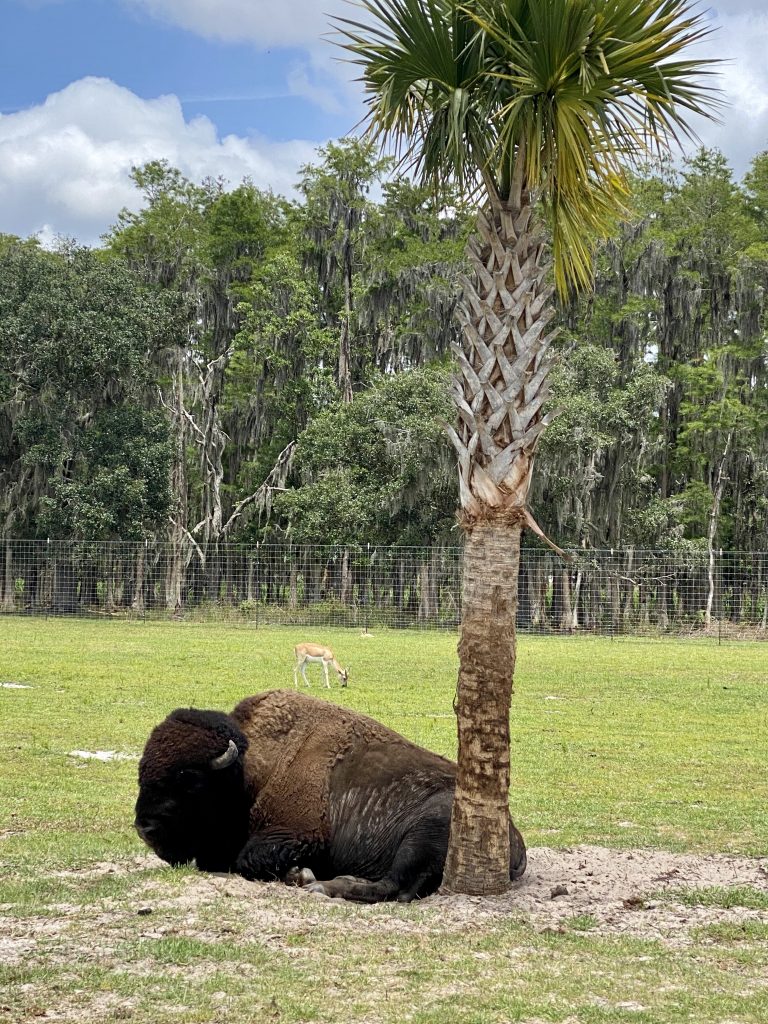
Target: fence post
pixel 258 582
pixel 720 598
pixel 144 589
pixel 367 586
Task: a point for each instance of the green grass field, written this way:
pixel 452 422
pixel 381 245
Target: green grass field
pixel 621 744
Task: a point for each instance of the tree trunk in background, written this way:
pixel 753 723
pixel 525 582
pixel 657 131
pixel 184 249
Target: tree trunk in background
pixel 112 563
pixel 345 342
pixel 346 583
pixel 137 604
pixel 175 566
pixel 662 609
pixel 562 609
pixel 576 596
pixel 714 519
pixel 64 600
pixel 424 606
pixel 9 591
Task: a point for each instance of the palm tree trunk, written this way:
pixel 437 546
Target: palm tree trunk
pixel 478 864
pixel 499 391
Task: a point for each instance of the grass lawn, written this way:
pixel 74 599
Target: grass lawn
pixel 615 743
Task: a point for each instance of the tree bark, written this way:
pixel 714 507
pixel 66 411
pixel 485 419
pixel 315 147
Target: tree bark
pixel 345 341
pixel 176 563
pixel 562 608
pixel 137 603
pixel 9 590
pixel 479 863
pixel 714 518
pixel 499 391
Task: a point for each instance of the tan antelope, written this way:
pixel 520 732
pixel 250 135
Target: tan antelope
pixel 316 652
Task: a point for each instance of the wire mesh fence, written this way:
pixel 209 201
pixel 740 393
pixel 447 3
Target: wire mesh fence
pixel 619 592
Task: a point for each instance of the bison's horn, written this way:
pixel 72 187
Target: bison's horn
pixel 227 758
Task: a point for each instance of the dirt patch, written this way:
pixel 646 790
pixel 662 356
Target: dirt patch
pixel 130 866
pixel 18 938
pixel 181 925
pixel 607 891
pixel 611 892
pixel 586 888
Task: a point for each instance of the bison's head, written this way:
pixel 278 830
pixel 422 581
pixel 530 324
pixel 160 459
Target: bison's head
pixel 192 802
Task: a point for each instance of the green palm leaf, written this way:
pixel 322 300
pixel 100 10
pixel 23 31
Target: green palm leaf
pixel 575 90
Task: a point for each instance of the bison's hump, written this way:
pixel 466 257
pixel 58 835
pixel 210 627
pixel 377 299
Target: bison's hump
pixel 296 742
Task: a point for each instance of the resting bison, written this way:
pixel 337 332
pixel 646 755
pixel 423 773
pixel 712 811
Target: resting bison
pixel 291 787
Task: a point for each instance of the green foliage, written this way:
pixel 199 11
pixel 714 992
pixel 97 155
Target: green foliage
pixel 165 374
pixel 662 384
pixel 377 470
pixel 86 450
pixel 117 485
pixel 407 291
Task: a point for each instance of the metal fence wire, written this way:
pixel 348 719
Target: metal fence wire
pixel 619 592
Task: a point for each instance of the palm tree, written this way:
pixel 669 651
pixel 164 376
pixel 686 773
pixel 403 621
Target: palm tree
pixel 534 107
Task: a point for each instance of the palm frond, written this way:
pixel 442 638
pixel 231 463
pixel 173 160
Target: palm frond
pixel 579 89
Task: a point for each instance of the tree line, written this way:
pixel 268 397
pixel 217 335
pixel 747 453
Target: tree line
pixel 232 366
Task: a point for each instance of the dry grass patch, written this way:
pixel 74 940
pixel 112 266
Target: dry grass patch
pixel 166 945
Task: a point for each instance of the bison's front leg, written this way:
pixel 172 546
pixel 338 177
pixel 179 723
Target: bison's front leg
pixel 415 871
pixel 271 854
pixel 347 887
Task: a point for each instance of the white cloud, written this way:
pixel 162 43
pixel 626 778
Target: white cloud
pixel 306 85
pixel 317 74
pixel 740 42
pixel 263 22
pixel 740 39
pixel 65 164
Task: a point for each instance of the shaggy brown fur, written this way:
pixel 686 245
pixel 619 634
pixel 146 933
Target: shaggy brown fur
pixel 296 742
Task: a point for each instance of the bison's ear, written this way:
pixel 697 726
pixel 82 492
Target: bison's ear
pixel 224 760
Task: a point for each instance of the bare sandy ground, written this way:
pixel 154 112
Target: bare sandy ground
pixel 622 890
pixel 607 892
pixel 610 892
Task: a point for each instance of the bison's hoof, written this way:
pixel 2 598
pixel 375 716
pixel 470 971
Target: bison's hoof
pixel 298 876
pixel 317 888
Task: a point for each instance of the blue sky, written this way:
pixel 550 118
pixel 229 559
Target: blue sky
pixel 244 86
pixel 232 87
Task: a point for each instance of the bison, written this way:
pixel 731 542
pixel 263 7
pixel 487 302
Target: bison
pixel 295 788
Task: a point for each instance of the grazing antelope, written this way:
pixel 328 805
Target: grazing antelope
pixel 316 652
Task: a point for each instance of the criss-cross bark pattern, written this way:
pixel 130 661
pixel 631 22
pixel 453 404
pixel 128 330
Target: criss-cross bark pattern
pixel 499 391
pixel 501 383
